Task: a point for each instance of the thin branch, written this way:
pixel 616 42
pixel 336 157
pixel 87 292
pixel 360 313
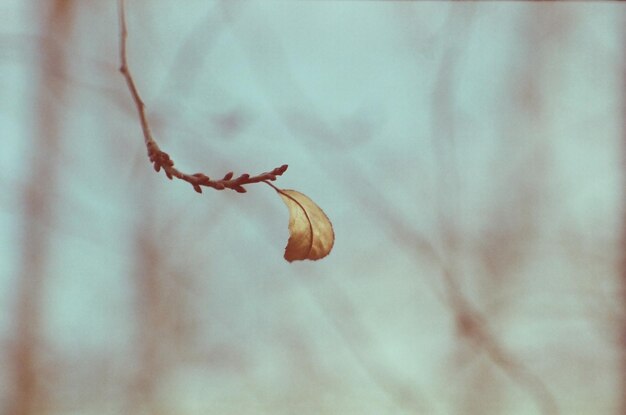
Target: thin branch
pixel 162 160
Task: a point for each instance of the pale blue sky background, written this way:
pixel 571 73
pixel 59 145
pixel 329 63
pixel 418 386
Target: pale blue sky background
pixel 482 137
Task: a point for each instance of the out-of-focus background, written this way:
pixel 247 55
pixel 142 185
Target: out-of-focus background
pixel 469 156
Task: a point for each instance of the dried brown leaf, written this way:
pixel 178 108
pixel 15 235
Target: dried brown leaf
pixel 311 234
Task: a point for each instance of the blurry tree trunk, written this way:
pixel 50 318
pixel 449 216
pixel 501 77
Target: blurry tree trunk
pixel 37 211
pixel 161 331
pixel 146 276
pixel 622 333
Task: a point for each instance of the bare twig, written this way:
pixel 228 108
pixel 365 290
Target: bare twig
pixel 162 160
